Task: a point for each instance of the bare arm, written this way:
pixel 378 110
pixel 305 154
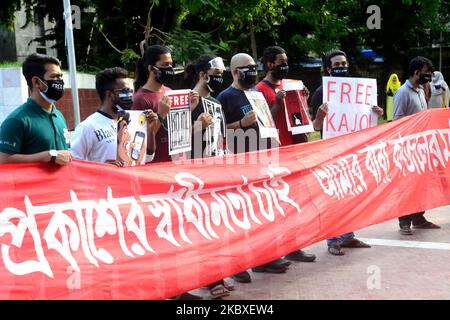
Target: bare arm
pixel 63 158
pixel 321 114
pixel 153 126
pixel 279 103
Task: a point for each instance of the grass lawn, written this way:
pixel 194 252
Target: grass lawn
pixel 10 65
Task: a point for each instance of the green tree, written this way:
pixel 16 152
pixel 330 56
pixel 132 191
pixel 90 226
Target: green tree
pixel 232 19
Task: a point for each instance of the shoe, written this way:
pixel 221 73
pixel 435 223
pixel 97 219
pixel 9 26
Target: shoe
pixel 242 277
pixel 300 256
pixel 426 225
pixel 271 267
pixel 283 262
pixel 335 250
pixel 354 243
pixel 405 230
pixel 187 296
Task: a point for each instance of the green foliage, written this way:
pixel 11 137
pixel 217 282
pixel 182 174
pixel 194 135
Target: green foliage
pixel 187 45
pixel 192 27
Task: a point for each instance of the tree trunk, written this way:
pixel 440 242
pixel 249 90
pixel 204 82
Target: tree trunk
pixel 253 41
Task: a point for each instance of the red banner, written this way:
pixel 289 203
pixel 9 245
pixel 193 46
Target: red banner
pixel 94 231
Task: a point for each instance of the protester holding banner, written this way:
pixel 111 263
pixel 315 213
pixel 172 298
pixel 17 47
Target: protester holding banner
pixel 206 73
pixel 95 139
pixel 240 115
pixel 335 65
pixel 36 131
pixel 276 67
pixel 410 99
pixel 207 117
pixel 391 88
pixel 238 111
pixel 153 72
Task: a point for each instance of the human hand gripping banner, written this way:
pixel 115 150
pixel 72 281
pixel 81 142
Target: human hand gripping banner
pixel 95 231
pixel 350 102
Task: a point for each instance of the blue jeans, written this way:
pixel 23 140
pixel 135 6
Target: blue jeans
pixel 340 239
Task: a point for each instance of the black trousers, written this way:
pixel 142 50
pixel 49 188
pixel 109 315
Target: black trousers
pixel 415 219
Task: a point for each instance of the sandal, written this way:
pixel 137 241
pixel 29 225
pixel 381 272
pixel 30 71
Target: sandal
pixel 335 250
pixel 218 292
pixel 228 285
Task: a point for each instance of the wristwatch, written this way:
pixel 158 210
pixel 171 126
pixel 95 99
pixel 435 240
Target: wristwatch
pixel 53 154
pixel 161 119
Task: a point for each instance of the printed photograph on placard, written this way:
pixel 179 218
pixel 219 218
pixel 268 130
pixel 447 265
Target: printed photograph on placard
pixel 297 117
pixel 215 133
pixel 266 124
pixel 131 137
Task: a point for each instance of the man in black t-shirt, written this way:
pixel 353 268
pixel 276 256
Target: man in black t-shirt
pixel 241 118
pixel 335 65
pixel 239 114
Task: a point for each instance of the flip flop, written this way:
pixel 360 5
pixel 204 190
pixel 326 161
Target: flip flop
pixel 335 251
pixel 218 292
pixel 228 285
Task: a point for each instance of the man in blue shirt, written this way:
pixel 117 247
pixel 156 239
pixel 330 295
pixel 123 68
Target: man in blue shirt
pixel 409 100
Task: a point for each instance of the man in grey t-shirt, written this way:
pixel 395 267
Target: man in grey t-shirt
pixel 409 100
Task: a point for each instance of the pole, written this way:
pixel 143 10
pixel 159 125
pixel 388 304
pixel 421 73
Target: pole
pixel 440 52
pixel 71 60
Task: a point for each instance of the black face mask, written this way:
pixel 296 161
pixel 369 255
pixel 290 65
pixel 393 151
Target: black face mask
pixel 424 78
pixel 339 71
pixel 124 100
pixel 164 75
pixel 214 83
pixel 54 90
pixel 280 71
pixel 249 75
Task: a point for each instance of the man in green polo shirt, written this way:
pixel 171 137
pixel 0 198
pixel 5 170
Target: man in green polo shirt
pixel 36 131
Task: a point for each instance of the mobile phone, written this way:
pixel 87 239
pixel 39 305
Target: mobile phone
pixel 138 141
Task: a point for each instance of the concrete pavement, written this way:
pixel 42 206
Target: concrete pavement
pixel 396 267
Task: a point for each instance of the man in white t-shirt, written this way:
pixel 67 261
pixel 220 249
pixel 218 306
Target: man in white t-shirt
pixel 95 139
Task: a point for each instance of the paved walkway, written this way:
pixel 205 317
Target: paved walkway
pixel 396 267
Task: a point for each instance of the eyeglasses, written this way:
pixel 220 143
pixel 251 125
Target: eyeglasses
pixel 250 67
pixel 126 91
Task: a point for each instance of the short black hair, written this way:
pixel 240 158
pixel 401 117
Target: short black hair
pixel 270 55
pixel 106 79
pixel 418 63
pixel 34 66
pixel 193 70
pixel 331 55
